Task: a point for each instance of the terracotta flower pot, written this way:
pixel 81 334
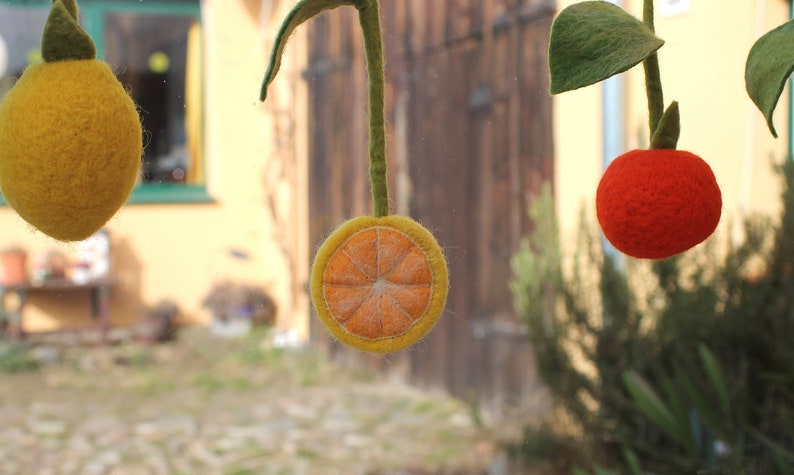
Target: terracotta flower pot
pixel 13 267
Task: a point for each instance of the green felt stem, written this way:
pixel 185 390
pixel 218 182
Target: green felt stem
pixel 63 38
pixel 369 18
pixel 653 79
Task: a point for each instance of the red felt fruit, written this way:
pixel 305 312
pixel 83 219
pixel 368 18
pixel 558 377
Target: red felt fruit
pixel 653 204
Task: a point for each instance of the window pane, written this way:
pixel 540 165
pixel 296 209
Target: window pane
pixel 20 40
pixel 150 53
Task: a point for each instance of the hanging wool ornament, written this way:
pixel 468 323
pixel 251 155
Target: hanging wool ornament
pixel 379 283
pixel 70 135
pixel 654 204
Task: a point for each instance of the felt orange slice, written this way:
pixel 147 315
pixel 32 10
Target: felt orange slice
pixel 379 284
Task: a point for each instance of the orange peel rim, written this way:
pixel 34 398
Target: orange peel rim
pixel 438 296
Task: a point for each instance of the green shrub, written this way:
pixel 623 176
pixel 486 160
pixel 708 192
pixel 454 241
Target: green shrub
pixel 15 358
pixel 676 366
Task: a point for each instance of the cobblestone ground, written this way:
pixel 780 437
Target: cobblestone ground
pixel 210 406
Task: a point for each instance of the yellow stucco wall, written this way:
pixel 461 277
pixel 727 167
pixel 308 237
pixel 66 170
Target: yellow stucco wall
pixel 702 66
pixel 178 251
pixel 256 159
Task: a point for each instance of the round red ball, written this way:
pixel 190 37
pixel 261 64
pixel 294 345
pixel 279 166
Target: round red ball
pixel 653 204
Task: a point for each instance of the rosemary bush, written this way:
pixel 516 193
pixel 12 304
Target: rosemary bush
pixel 684 365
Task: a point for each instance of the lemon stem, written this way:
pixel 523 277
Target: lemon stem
pixel 369 18
pixel 653 79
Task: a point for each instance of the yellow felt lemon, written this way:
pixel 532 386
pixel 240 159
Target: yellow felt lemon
pixel 379 284
pixel 70 143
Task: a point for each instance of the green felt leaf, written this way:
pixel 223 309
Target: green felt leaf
pixel 71 7
pixel 591 41
pixel 769 64
pixel 669 129
pixel 63 38
pixel 303 11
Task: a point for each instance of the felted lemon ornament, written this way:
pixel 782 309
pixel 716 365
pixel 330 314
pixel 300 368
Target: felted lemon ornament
pixel 70 135
pixel 378 283
pixel 655 203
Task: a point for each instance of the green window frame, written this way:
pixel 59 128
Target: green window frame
pixel 94 14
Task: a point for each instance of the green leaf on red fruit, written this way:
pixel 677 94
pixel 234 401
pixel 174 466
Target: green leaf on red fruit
pixel 669 129
pixel 303 11
pixel 769 65
pixel 592 41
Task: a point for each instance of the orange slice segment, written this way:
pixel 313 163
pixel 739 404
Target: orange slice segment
pixel 379 284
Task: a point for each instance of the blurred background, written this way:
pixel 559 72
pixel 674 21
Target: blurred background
pixel 550 339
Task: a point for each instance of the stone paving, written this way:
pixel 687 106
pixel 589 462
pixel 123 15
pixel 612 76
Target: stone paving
pixel 208 406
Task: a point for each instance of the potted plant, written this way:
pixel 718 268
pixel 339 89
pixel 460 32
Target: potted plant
pixel 13 266
pixel 236 308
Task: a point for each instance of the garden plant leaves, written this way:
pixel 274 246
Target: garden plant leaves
pixel 769 64
pixel 652 405
pixel 591 41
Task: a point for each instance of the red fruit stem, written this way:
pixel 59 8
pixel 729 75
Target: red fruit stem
pixel 653 79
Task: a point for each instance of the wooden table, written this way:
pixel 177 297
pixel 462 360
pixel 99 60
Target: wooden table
pixel 98 290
